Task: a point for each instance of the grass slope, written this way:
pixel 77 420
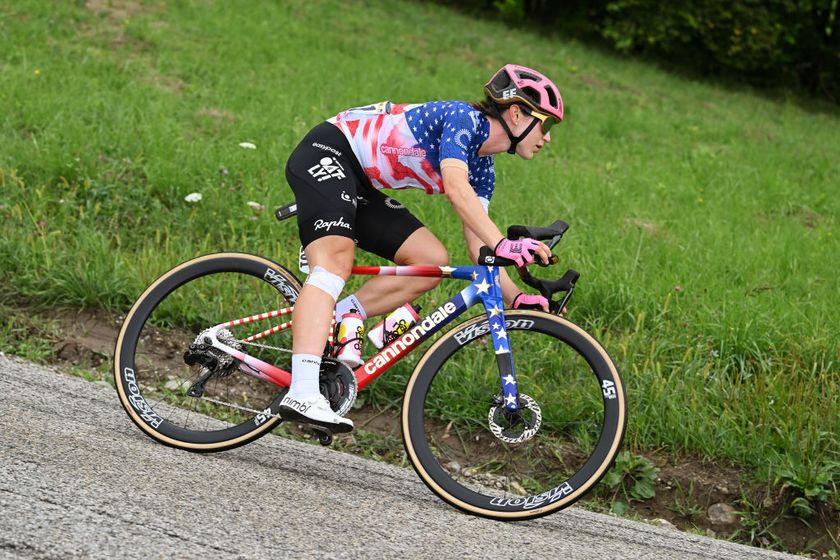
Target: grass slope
pixel 704 220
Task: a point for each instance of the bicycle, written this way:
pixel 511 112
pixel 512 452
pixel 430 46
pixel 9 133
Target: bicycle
pixel 520 440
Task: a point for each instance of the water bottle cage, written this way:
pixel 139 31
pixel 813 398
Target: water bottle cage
pixel 399 329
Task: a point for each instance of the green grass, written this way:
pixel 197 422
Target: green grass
pixel 704 220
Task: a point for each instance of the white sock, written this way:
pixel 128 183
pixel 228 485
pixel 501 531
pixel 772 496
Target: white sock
pixel 305 371
pixel 349 304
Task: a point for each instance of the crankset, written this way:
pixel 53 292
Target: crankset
pixel 338 385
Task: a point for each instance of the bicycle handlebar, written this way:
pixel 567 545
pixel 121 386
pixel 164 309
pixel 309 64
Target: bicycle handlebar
pixel 547 288
pixel 554 232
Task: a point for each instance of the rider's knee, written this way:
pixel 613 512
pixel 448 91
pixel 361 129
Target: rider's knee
pixel 434 255
pixel 326 281
pixel 336 257
pixel 439 256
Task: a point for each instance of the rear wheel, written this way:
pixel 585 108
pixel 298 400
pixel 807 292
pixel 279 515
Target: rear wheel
pixel 183 392
pixel 475 455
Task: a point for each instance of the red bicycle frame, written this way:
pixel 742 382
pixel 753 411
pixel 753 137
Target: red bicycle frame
pixel 484 288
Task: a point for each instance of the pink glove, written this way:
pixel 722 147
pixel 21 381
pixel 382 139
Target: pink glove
pixel 525 301
pixel 521 251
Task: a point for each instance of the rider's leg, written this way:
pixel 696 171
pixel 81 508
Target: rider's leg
pixel 330 259
pixel 325 177
pixel 314 306
pixel 383 294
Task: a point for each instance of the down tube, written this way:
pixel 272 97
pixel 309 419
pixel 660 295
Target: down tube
pixel 432 323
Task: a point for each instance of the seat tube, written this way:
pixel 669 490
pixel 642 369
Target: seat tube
pixel 490 291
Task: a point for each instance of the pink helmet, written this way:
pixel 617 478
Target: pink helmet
pixel 513 83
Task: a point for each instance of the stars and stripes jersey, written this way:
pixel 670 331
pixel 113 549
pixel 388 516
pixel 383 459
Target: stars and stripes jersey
pixel 401 146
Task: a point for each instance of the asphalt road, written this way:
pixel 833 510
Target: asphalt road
pixel 78 479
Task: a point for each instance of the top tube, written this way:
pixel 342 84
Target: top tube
pixel 471 272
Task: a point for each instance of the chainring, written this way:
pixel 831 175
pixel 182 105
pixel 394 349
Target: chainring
pixel 338 385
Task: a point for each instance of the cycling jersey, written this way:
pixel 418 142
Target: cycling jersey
pixel 400 146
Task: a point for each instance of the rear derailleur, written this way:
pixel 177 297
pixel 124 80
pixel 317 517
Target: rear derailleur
pixel 213 361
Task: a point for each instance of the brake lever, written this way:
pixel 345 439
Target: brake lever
pixel 557 308
pixel 548 288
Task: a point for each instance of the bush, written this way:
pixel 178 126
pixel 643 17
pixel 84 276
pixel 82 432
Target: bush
pixel 785 42
pixel 789 43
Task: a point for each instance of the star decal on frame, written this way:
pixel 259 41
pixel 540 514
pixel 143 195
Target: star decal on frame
pixel 510 400
pixel 509 380
pixel 502 334
pixel 474 276
pixel 502 350
pixel 483 287
pixel 494 311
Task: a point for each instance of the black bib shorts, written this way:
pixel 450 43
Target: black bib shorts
pixel 335 197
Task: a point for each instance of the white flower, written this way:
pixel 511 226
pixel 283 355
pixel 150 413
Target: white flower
pixel 248 145
pixel 193 197
pixel 255 206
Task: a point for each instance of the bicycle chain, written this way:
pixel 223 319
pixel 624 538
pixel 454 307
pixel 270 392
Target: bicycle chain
pixel 257 344
pixel 245 408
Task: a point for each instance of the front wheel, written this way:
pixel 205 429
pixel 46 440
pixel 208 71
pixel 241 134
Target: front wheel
pixel 486 461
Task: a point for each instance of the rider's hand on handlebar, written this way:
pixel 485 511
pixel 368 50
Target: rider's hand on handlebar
pixel 522 251
pixel 526 301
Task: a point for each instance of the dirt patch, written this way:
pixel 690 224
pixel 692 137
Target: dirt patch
pixel 646 226
pixel 171 84
pixel 805 216
pixel 116 10
pixel 113 23
pixel 87 339
pixel 690 494
pixel 216 114
pixel 592 81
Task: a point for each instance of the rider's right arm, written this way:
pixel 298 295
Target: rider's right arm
pixel 461 195
pixel 509 289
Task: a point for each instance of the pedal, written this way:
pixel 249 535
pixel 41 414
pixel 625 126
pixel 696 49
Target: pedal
pixel 324 436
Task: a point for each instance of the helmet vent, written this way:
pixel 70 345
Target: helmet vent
pixel 527 75
pixel 532 94
pixel 552 99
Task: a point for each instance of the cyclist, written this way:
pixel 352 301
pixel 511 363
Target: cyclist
pixel 337 173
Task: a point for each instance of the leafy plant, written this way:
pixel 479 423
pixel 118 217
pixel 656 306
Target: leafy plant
pixel 632 477
pixel 809 482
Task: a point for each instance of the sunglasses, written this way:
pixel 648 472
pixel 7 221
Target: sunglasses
pixel 546 121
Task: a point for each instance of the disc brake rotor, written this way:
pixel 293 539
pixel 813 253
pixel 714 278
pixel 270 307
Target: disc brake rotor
pixel 517 426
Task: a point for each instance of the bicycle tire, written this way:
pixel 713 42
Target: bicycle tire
pixel 161 324
pixel 462 362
